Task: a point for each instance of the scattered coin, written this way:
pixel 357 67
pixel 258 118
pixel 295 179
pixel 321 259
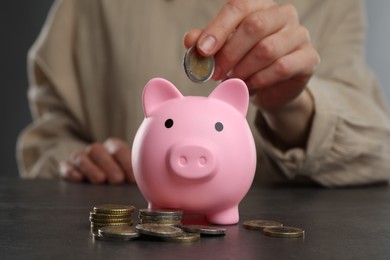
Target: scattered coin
pixel 157 230
pixel 113 222
pixel 261 224
pixel 118 232
pixel 205 230
pixel 284 232
pixel 199 69
pixel 184 238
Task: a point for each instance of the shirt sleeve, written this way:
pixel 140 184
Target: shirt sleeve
pixel 350 134
pixel 57 128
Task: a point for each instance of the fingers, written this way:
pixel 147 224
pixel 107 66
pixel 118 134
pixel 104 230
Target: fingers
pixel 69 172
pixel 262 43
pixel 100 163
pixel 191 37
pixel 270 50
pixel 277 85
pixel 89 170
pixel 301 62
pixel 224 23
pixel 122 155
pixel 261 38
pixel 100 157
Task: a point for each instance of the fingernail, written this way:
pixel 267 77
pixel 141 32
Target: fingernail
pixel 207 44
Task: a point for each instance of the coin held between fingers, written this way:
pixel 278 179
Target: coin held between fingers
pixel 199 69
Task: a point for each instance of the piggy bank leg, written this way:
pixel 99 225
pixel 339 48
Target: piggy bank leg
pixel 225 217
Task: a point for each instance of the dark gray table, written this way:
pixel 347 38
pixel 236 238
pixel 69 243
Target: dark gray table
pixel 49 220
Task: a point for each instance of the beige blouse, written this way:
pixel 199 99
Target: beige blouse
pixel 90 63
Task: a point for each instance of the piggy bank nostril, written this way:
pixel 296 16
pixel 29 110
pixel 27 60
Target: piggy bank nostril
pixel 202 161
pixel 183 160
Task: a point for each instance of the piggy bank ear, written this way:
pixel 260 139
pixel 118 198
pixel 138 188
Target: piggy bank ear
pixel 233 92
pixel 156 92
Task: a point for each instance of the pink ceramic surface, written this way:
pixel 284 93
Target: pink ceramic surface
pixel 195 153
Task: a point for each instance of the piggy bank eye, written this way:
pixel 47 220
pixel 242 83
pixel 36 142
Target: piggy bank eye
pixel 168 123
pixel 219 126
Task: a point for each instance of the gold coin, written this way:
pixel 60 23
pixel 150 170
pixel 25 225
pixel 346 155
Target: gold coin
pixel 199 69
pixel 161 222
pixel 184 238
pixel 95 215
pixel 99 225
pixel 118 232
pixel 284 232
pixel 158 230
pixel 96 236
pixel 114 220
pixel 114 209
pixel 261 224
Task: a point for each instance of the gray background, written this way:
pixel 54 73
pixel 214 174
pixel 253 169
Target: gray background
pixel 21 20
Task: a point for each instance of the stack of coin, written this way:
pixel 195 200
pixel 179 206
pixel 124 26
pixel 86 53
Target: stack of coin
pixel 160 216
pixel 110 215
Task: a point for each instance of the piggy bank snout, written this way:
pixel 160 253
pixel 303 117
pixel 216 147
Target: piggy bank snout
pixel 193 162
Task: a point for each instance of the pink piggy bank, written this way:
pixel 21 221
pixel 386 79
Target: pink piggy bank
pixel 195 153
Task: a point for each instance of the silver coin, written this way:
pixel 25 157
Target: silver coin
pixel 160 212
pixel 161 222
pixel 157 230
pixel 204 230
pixel 199 69
pixel 160 218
